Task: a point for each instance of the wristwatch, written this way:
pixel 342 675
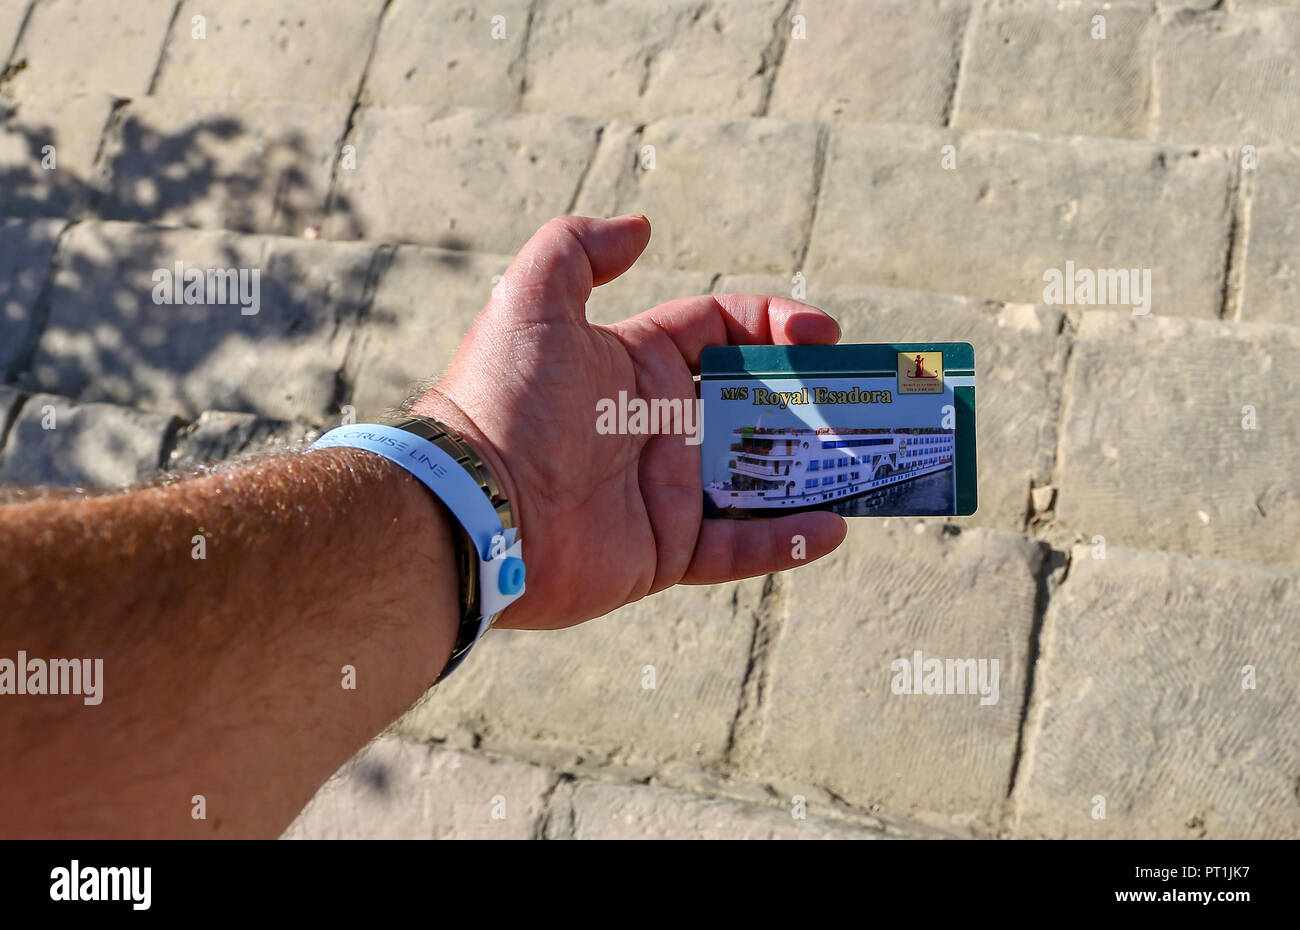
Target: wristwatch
pixel 467 559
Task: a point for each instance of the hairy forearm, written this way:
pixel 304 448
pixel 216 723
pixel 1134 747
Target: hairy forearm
pixel 225 609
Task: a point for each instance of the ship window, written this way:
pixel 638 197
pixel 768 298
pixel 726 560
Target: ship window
pixel 814 465
pixel 829 479
pixel 828 445
pixel 810 483
pixel 829 463
pixel 843 477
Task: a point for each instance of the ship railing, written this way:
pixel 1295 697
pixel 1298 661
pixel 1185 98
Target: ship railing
pixel 746 468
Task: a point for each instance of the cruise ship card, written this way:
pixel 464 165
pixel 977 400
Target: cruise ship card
pixel 863 430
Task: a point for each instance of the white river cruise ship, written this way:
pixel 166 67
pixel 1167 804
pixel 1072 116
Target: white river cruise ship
pixel 792 469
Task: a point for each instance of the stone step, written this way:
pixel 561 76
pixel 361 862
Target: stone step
pixel 1155 711
pixel 1176 72
pixel 836 711
pixel 273 340
pixel 986 212
pixel 53 441
pixel 818 709
pixel 1164 702
pixel 1183 435
pixel 1192 76
pixel 395 789
pixel 603 811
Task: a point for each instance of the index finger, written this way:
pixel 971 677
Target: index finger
pixel 693 323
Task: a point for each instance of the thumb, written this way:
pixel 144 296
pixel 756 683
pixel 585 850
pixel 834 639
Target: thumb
pixel 553 274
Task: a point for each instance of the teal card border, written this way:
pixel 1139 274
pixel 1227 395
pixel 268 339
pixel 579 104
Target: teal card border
pixel 864 360
pixel 878 359
pixel 967 468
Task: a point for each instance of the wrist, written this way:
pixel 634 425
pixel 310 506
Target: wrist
pixel 437 454
pixel 419 579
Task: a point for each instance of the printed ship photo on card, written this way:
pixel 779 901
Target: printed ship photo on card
pixel 863 430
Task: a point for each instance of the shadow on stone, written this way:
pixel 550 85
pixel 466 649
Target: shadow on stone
pixel 148 280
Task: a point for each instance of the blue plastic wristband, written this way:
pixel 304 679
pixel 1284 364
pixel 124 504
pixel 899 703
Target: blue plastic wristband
pixel 500 551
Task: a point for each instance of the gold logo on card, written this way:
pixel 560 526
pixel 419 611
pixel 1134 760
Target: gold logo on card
pixel 920 372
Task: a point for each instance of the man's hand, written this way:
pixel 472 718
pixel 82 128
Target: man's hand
pixel 608 519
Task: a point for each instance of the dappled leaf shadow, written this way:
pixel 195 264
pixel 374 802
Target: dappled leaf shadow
pixel 102 325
